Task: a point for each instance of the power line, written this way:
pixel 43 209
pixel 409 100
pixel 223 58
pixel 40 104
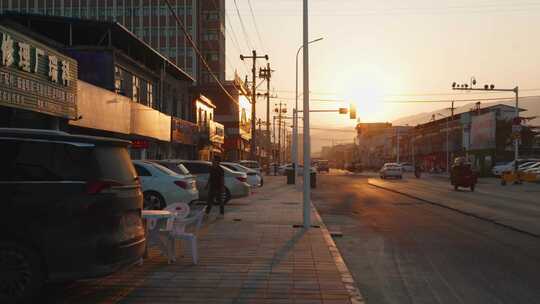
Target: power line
pixel 255 24
pixel 197 51
pixel 482 8
pixel 248 41
pixel 233 36
pixel 455 100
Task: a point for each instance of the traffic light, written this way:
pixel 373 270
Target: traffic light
pixel 352 111
pixel 343 110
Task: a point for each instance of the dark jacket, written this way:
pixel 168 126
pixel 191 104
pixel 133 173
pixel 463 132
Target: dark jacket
pixel 216 181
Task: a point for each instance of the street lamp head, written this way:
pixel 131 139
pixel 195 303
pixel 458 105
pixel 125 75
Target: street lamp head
pixel 473 81
pixel 266 57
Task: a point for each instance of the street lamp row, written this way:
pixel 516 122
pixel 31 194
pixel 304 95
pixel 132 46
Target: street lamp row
pixel 491 87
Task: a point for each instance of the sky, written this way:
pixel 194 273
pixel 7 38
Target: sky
pixel 375 53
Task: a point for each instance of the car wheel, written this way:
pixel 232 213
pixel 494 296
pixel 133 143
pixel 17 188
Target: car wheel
pixel 22 274
pixel 153 201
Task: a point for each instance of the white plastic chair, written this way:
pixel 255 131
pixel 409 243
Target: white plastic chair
pixel 178 232
pixel 181 209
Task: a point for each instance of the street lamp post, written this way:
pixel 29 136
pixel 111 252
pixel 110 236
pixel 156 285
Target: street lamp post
pixel 465 87
pixel 295 114
pixel 306 197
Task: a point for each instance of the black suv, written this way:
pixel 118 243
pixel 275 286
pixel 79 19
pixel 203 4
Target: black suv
pixel 70 209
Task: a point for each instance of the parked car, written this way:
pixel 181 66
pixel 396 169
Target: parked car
pixel 162 186
pixel 251 164
pixel 254 179
pixel 407 167
pixel 71 209
pixel 236 185
pixel 391 170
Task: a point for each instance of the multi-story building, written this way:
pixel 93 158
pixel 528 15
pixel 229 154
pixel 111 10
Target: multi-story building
pixel 125 89
pixel 379 143
pixel 152 22
pixel 233 110
pixel 211 134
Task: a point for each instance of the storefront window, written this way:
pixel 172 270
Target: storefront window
pixel 136 89
pixel 150 94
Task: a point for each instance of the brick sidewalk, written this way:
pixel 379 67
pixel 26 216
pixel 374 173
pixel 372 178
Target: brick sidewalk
pixel 253 255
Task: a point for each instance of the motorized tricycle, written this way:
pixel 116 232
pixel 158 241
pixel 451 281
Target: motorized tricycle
pixel 462 175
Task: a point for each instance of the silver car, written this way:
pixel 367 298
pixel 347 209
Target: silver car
pixel 254 179
pixel 236 185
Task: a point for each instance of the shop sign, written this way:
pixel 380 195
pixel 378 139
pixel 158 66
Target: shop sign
pixel 140 144
pixel 183 131
pixel 35 77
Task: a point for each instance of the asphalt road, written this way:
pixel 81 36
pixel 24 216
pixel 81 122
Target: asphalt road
pixel 401 250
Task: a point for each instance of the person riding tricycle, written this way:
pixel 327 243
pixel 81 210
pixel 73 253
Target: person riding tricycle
pixel 462 175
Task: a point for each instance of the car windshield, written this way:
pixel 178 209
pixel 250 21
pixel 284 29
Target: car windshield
pixel 250 164
pixel 176 167
pixel 163 169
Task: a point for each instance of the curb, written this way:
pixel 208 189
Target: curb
pixel 346 277
pixel 474 215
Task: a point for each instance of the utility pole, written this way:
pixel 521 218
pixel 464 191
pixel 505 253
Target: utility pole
pixel 397 139
pixel 267 74
pixel 280 111
pixel 253 100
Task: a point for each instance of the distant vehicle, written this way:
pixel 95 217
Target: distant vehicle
pixel 253 177
pixel 322 165
pixel 391 170
pixel 407 167
pixel 299 169
pixel 162 186
pixel 462 175
pixel 71 209
pixel 509 167
pixel 532 168
pixel 236 185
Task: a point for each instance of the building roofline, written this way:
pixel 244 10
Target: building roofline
pixel 113 25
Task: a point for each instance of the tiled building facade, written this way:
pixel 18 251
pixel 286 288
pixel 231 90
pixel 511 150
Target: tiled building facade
pixel 152 22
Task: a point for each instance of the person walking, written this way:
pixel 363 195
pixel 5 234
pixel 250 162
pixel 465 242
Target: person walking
pixel 215 186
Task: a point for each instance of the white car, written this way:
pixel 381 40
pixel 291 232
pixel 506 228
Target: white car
pixel 407 167
pixel 522 165
pixel 236 185
pixel 299 169
pixel 391 170
pixel 254 178
pixel 162 186
pixel 532 167
pixel 252 164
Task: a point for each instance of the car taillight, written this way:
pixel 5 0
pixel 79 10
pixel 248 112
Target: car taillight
pixel 95 187
pixel 181 184
pixel 241 178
